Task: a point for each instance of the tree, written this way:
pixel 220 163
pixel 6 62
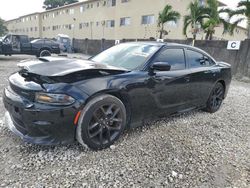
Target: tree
pixel 3 28
pixel 195 18
pixel 243 10
pixel 167 15
pixel 50 4
pixel 215 20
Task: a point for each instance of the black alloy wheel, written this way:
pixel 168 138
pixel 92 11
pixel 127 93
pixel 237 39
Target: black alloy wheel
pixel 102 122
pixel 216 98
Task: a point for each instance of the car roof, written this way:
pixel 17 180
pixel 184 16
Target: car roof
pixel 164 44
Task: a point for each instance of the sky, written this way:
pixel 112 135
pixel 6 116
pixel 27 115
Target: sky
pixel 10 9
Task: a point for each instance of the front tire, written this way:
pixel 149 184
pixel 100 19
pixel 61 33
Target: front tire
pixel 101 123
pixel 216 98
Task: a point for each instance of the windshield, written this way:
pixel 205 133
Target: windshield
pixel 128 55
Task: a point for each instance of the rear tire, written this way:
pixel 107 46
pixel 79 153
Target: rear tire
pixel 101 123
pixel 216 98
pixel 44 53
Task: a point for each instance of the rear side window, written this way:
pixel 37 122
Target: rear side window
pixel 197 59
pixel 174 57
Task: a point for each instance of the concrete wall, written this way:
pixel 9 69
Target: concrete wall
pixel 239 59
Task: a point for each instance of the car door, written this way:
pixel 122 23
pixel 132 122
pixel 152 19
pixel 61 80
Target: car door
pixel 204 73
pixel 7 46
pixel 170 89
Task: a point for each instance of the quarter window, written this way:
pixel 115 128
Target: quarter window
pixel 174 57
pixel 197 59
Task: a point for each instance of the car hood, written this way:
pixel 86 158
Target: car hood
pixel 58 66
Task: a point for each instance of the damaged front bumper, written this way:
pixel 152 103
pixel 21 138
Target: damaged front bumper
pixel 39 124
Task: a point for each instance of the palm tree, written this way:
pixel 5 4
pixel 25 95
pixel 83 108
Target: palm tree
pixel 215 20
pixel 195 18
pixel 243 10
pixel 167 15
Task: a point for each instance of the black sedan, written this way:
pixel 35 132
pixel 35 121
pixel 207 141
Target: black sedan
pixel 58 100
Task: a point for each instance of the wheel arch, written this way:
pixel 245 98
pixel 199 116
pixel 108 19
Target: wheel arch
pixel 121 96
pixel 45 48
pixel 224 85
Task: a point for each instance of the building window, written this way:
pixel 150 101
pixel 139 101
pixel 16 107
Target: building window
pixel 124 1
pixel 97 24
pixel 71 11
pixel 82 8
pixel 110 23
pixel 125 21
pixel 82 25
pixel 111 3
pixel 148 19
pixel 172 24
pixel 98 4
pixel 202 3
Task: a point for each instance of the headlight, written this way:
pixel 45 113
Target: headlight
pixel 54 99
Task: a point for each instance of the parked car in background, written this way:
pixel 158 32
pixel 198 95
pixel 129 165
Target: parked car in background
pixel 55 100
pixel 65 43
pixel 20 44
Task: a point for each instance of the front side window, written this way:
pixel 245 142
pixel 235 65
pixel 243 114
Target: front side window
pixel 197 59
pixel 174 57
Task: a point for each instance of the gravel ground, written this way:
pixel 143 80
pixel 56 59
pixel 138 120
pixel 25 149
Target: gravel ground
pixel 196 149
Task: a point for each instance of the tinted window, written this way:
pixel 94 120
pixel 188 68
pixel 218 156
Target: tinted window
pixel 175 58
pixel 197 59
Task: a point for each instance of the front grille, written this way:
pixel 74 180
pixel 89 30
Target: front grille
pixel 30 95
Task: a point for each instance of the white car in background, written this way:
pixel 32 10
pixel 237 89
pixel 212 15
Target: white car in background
pixel 65 43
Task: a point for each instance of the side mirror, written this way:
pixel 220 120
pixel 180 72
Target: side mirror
pixel 160 66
